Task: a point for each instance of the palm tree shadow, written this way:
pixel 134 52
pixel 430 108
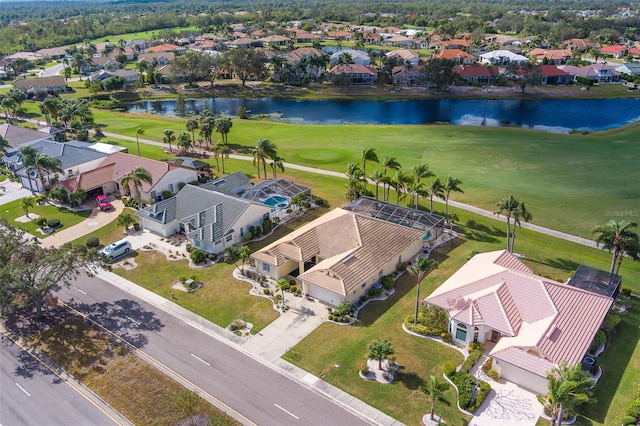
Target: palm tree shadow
pixel 410 379
pixel 558 263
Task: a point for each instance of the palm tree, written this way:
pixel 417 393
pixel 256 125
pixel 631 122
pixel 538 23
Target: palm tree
pixel 27 203
pixel 277 162
pixel 521 213
pixel 76 198
pixel 184 142
pixel 125 220
pixel 615 237
pixel 435 390
pixel 244 254
pixel 399 181
pixel 450 185
pixel 263 150
pixel 420 268
pixel 28 154
pixel 435 189
pixel 4 145
pixel 420 172
pixel 368 154
pixel 169 137
pixel 231 255
pixel 508 206
pixel 139 131
pixel 223 152
pixel 136 178
pixel 568 388
pixel 355 177
pixel 207 125
pixel 377 177
pixel 43 163
pixel 389 163
pixel 192 125
pixel 223 126
pixel 281 285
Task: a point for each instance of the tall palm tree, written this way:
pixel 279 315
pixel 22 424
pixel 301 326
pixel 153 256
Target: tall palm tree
pixel 520 213
pixel 389 163
pixel 244 254
pixel 4 145
pixel 44 163
pixel 435 189
pixel 281 285
pixel 368 154
pixel 568 388
pixel 192 125
pixel 169 137
pixel 355 177
pixel 420 172
pixel 450 185
pixel 420 268
pixel 231 255
pixel 223 152
pixel 377 178
pixel 207 125
pixel 184 142
pixel 223 126
pixel 263 150
pixel 277 162
pixel 615 237
pixel 136 178
pixel 139 131
pixel 399 181
pixel 508 206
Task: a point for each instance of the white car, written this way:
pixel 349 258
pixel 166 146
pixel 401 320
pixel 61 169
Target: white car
pixel 117 249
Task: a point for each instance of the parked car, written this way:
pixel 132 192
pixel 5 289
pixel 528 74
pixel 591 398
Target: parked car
pixel 103 203
pixel 117 249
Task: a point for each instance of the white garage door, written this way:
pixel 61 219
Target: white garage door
pixel 324 295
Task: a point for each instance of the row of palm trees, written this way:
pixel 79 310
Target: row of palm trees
pixel 512 208
pixel 267 150
pixel 405 183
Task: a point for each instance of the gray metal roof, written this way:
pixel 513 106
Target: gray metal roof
pixel 234 184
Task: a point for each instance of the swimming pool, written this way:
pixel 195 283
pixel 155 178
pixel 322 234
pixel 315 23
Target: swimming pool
pixel 276 201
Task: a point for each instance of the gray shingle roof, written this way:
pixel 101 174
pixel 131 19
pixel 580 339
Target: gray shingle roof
pixel 234 184
pixel 70 154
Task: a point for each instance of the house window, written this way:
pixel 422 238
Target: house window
pixel 241 232
pixel 228 238
pixel 70 172
pixel 266 268
pixel 461 332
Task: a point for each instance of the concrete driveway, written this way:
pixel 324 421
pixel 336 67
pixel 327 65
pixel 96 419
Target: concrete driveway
pixel 12 191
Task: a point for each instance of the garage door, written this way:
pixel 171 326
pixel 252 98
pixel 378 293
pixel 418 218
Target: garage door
pixel 324 295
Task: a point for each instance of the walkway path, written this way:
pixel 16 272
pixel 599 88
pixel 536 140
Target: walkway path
pixel 462 206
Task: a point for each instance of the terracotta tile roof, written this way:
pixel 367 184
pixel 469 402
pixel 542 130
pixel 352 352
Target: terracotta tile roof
pixel 452 54
pixel 166 47
pixel 469 71
pixel 543 322
pixel 353 69
pixel 615 49
pixel 91 179
pixel 124 163
pixel 555 54
pixel 553 71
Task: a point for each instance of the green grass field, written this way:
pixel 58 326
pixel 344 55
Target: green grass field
pixel 570 183
pixel 67 218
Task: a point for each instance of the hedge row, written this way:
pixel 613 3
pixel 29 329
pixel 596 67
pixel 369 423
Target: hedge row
pixel 465 383
pixel 471 360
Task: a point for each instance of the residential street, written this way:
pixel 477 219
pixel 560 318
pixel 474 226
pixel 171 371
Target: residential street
pixel 33 395
pixel 260 393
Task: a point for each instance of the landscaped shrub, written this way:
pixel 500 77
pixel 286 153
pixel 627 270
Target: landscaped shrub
pixel 363 299
pixel 476 346
pixel 266 291
pixel 629 421
pixel 247 237
pixel 626 292
pixel 374 292
pixel 599 339
pixel 464 383
pixel 331 317
pixel 634 409
pixel 483 390
pixel 188 247
pixel 92 242
pixel 468 363
pixel 197 256
pixel 449 369
pixel 212 257
pixel 610 322
pixel 41 222
pixel 494 374
pixel 305 204
pixel 54 223
pixel 318 201
pixel 258 232
pixel 166 194
pixel 364 370
pixel 488 365
pixel 266 226
pixel 387 282
pixel 344 308
pixel 402 266
pixel 585 81
pixel 293 289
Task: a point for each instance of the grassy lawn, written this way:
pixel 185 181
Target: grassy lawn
pixel 134 388
pixel 554 174
pixel 67 218
pixel 106 234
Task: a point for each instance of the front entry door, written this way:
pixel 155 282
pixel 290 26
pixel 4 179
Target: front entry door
pixel 495 336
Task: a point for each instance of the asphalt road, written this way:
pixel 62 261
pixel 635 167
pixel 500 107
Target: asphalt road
pixel 260 394
pixel 30 394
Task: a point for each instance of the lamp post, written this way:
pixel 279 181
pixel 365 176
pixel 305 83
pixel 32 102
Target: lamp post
pixel 244 317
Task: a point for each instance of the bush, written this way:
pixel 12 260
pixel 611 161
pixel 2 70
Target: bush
pixel 258 232
pixel 449 369
pixel 363 299
pixel 331 317
pixel 610 322
pixel 212 257
pixel 247 237
pixel 266 226
pixel 197 256
pixel 266 291
pixel 634 409
pixel 344 308
pixel 464 383
pixel 629 421
pixel 599 339
pixel 188 247
pixel 446 337
pixel 92 242
pixel 318 201
pixel 476 346
pixel 481 394
pixel 494 374
pixel 488 365
pixel 364 370
pixel 374 292
pixel 387 282
pixel 41 222
pixel 293 289
pixel 468 363
pixel 402 266
pixel 54 223
pixel 166 194
pixel 626 292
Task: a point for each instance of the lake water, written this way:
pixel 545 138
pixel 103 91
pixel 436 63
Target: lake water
pixel 553 115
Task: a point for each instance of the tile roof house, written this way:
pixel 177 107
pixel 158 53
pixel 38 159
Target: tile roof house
pixel 159 58
pixel 601 73
pixel 52 53
pixel 104 178
pixel 167 47
pixel 530 323
pixel 358 75
pixel 358 57
pixel 210 219
pixel 340 255
pixel 404 56
pixel 477 73
pixel 457 55
pixel 553 56
pixel 617 50
pixel 631 68
pixel 553 75
pixel 405 75
pixel 51 84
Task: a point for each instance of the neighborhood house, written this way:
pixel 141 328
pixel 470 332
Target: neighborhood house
pixel 528 323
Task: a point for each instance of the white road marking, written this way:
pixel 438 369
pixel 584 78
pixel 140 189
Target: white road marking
pixel 200 359
pixel 22 389
pixel 83 292
pixel 288 412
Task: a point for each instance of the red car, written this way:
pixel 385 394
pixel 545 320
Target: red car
pixel 103 203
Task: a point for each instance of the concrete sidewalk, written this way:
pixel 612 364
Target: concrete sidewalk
pixel 268 345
